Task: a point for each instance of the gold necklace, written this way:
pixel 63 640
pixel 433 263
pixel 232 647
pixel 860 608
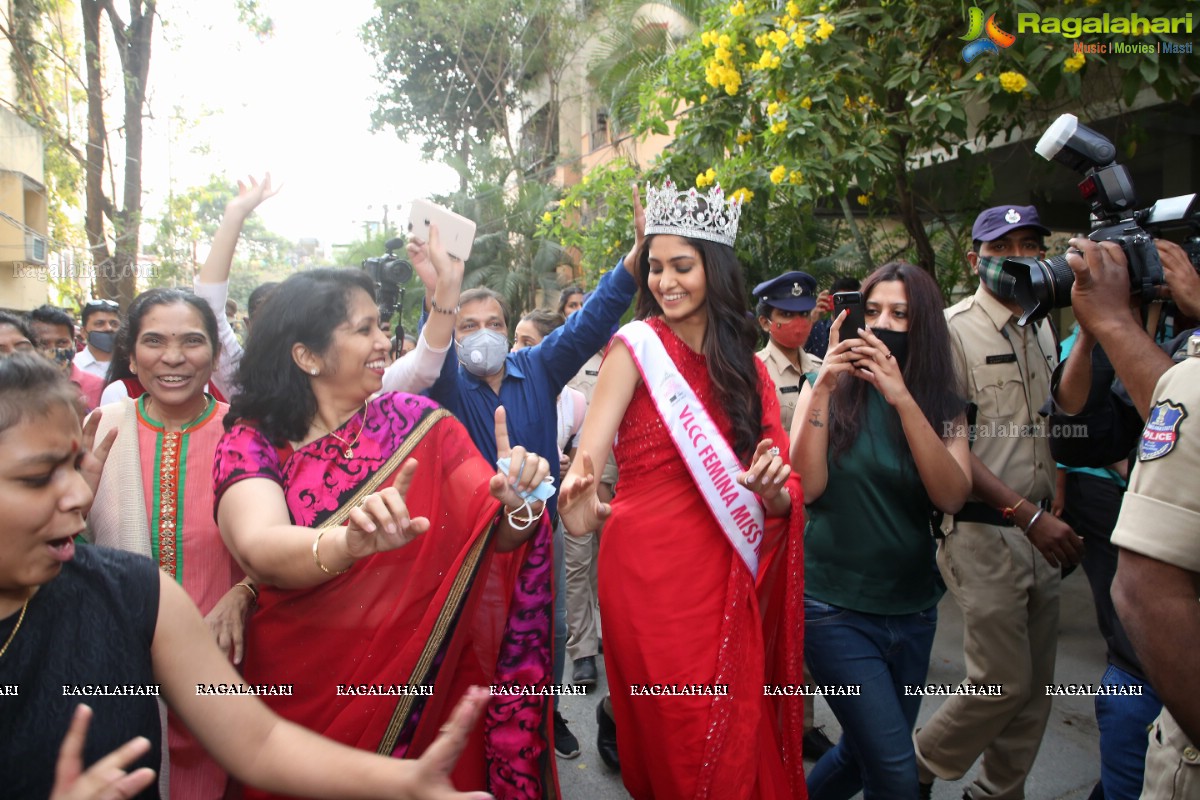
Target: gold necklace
pixel 16 627
pixel 348 452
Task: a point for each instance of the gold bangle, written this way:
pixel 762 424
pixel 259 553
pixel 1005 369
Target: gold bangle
pixel 317 557
pixel 253 592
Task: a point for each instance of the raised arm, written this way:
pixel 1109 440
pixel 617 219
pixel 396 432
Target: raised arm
pixel 212 284
pixel 442 276
pixel 810 422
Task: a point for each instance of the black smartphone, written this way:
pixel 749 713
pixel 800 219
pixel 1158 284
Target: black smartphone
pixel 855 319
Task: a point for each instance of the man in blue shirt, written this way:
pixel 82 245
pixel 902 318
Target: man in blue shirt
pixel 527 383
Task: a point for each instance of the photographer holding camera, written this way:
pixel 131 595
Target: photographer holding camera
pixel 1158 567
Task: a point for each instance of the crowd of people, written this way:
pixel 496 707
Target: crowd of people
pixel 286 566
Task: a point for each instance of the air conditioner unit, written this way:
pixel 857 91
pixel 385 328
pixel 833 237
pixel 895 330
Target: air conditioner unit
pixel 35 248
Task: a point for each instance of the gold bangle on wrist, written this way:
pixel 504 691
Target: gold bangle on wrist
pixel 249 588
pixel 317 556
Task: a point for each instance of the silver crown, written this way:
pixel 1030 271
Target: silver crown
pixel 708 216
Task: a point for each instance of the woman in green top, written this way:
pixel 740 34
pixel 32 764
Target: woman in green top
pixel 879 439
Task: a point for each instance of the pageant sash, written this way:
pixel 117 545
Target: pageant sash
pixel 709 458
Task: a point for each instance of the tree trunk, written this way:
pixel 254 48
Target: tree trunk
pixel 926 259
pixel 95 201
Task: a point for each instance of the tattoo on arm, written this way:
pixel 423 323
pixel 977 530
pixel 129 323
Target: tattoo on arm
pixel 815 419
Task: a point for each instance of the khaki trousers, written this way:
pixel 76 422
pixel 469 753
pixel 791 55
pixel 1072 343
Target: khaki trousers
pixel 583 608
pixel 1009 596
pixel 1172 763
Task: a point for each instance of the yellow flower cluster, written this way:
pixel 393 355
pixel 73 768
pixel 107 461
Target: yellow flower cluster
pixel 737 9
pixel 744 136
pixel 793 10
pixel 1074 63
pixel 703 99
pixel 978 76
pixel 768 60
pixel 547 218
pixel 824 28
pixel 1013 82
pixel 779 127
pixel 721 70
pixel 779 174
pixel 743 194
pixel 706 178
pixel 806 103
pixel 796 178
pixel 864 200
pixel 772 108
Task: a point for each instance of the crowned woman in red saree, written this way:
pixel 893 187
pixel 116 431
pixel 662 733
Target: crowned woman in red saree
pixel 701 606
pixel 377 657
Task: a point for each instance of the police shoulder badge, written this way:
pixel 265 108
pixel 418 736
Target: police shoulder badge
pixel 1162 430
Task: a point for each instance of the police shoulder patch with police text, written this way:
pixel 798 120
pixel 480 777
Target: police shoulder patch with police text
pixel 1161 433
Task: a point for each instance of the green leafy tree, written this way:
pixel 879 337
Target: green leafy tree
pixel 809 104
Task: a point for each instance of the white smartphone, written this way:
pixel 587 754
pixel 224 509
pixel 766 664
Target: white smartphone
pixel 456 231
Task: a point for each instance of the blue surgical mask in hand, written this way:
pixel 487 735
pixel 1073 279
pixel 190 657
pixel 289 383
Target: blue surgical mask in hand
pixel 542 492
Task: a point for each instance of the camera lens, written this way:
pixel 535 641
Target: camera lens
pixel 1041 285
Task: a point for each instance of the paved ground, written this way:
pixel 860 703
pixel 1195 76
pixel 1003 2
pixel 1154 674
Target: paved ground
pixel 1067 766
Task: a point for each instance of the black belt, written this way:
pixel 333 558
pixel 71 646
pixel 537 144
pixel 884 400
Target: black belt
pixel 983 513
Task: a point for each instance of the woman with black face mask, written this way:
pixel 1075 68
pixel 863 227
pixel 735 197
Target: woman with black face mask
pixel 880 440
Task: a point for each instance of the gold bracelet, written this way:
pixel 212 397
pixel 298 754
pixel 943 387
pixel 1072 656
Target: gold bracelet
pixel 317 557
pixel 253 592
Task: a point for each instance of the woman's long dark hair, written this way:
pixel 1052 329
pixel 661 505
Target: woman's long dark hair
pixel 929 370
pixel 729 339
pixel 131 327
pixel 305 309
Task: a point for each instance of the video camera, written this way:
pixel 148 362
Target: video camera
pixel 1042 285
pixel 389 272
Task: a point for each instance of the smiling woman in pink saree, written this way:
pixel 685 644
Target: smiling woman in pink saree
pixel 397 567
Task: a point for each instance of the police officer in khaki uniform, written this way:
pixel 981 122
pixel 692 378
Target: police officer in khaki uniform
pixel 785 306
pixel 1002 553
pixel 1158 530
pixel 784 313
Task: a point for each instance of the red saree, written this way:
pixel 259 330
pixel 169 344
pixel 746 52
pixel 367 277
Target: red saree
pixel 443 613
pixel 680 608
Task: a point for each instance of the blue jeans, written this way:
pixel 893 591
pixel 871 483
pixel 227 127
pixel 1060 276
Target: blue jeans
pixel 1123 720
pixel 882 655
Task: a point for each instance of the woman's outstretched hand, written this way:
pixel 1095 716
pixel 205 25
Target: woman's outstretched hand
pixel 639 235
pixel 579 506
pixel 431 778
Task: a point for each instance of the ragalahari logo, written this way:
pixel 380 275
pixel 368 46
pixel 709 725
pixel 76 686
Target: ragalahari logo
pixel 983 38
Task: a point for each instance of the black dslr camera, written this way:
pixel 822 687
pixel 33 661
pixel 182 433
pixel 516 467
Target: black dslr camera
pixel 1107 186
pixel 389 272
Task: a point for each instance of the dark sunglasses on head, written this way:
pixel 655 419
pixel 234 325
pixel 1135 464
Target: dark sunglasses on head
pixel 93 305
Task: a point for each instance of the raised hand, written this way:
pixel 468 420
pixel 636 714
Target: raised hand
pixel 879 368
pixel 104 780
pixel 95 454
pixel 251 197
pixel 639 235
pixel 579 507
pixel 839 358
pixel 525 471
pixel 381 521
